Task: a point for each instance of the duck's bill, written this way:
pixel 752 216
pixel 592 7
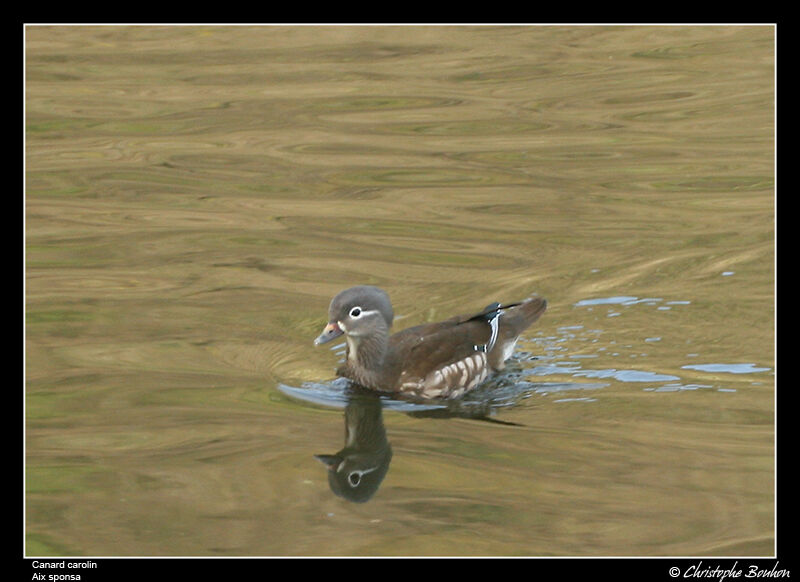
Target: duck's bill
pixel 331 331
pixel 332 462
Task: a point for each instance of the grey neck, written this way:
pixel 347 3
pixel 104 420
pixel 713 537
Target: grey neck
pixel 367 352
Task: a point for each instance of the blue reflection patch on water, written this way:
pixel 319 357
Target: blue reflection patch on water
pixel 621 375
pixel 628 300
pixel 730 368
pixel 678 387
pixel 623 299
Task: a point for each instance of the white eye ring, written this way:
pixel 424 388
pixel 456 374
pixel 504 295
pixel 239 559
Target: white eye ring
pixel 356 312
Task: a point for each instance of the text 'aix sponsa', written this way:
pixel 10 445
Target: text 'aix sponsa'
pixel 432 360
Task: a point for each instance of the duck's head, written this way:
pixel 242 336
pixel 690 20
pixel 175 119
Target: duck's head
pixel 358 312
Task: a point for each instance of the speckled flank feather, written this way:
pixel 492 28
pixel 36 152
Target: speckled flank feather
pixel 452 380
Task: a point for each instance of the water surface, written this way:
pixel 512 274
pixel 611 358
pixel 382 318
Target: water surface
pixel 196 195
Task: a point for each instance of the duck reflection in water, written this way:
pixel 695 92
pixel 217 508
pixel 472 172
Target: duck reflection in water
pixel 357 470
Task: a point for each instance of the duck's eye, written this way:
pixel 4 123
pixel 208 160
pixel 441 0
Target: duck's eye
pixel 355 312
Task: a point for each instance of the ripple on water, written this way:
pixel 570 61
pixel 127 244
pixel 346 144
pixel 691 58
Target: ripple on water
pixel 559 359
pixel 504 391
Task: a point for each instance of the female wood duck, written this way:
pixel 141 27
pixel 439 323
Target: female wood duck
pixel 433 360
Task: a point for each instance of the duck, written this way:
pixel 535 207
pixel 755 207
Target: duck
pixel 445 359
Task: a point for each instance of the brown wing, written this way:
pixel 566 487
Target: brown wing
pixel 456 338
pixel 446 344
pixel 447 358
